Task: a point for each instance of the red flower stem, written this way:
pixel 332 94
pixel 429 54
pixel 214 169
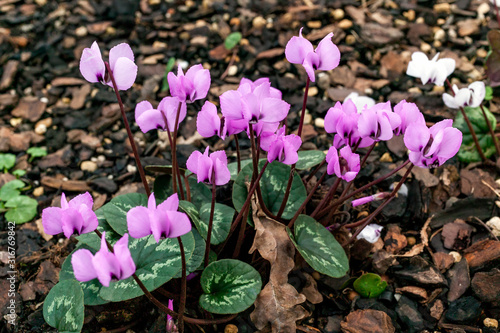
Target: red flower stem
pixel 129 132
pixel 165 308
pixel 327 197
pixel 363 223
pixel 287 192
pixel 169 136
pixel 175 165
pixel 497 12
pixel 241 234
pixel 182 303
pixel 238 156
pixel 211 220
pixel 469 125
pixel 361 189
pixel 188 188
pixel 490 128
pixel 303 113
pixel 301 208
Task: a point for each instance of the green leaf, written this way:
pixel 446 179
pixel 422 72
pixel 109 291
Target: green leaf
pixel 36 152
pixel 232 40
pixel 468 152
pixel 309 159
pixel 370 285
pixel 229 286
pixel 19 173
pixel 223 217
pixel 488 94
pixel 155 264
pixel 116 210
pixel 21 209
pixel 168 69
pixel 198 255
pixel 63 307
pixel 11 189
pixel 233 168
pixel 91 239
pixel 200 193
pixel 273 185
pixel 318 247
pixel 7 161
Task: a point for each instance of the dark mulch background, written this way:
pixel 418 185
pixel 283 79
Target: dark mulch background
pixel 44 101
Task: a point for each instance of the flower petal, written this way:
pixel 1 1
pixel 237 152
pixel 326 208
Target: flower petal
pixel 416 137
pixel 171 204
pixel 124 257
pixel 125 73
pixel 91 64
pixel 230 104
pixel 51 220
pixel 329 54
pixel 118 51
pixel 274 110
pixel 138 223
pixel 179 224
pixel 297 48
pixel 208 121
pixel 83 268
pixel 149 120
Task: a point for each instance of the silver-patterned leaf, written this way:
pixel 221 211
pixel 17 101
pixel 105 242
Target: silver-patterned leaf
pixel 223 217
pixel 309 159
pixel 116 210
pixel 63 307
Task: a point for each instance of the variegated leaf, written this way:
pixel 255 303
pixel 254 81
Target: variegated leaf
pixel 318 247
pixel 116 210
pixel 233 168
pixel 223 217
pixel 198 255
pixel 63 307
pixel 273 186
pixel 229 286
pixel 309 159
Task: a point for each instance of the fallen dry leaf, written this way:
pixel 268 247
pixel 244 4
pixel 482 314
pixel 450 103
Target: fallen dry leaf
pixel 367 321
pixel 310 290
pixel 278 303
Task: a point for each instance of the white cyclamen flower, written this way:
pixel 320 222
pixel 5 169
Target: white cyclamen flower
pixel 360 101
pixel 434 71
pixel 371 233
pixel 471 96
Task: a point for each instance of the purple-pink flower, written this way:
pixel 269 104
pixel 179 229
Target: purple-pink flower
pixel 106 266
pixel 409 114
pixel 164 221
pixel 370 198
pixel 209 168
pixel 121 62
pixel 75 216
pixel 170 321
pixel 345 166
pixel 149 118
pixel 192 86
pixel 280 146
pixel 431 147
pixel 378 122
pixel 260 105
pixel 209 123
pixel 300 51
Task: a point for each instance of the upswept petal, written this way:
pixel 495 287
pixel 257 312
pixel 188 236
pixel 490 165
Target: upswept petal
pixel 230 104
pixel 175 85
pixel 332 158
pixel 418 61
pixel 201 83
pixel 310 64
pixel 118 51
pixel 386 129
pixel 329 54
pixel 149 120
pixel 368 124
pixel 450 144
pixel 416 137
pixel 160 224
pixel 83 268
pixel 152 202
pixel 333 116
pixel 360 102
pixel 416 158
pixel 439 126
pixel 179 224
pixel 478 91
pixel 71 221
pixel 222 174
pixel 205 166
pixel 51 220
pixel 251 107
pixel 169 106
pixel 142 107
pixel 106 266
pixel 192 161
pixel 90 221
pixel 172 203
pixel 274 110
pixel 450 101
pixel 91 64
pixel 138 223
pixel 219 155
pixel 445 67
pixel 297 48
pixel 124 257
pixel 125 73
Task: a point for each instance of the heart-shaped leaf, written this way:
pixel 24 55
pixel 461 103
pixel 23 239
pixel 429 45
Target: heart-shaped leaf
pixel 233 168
pixel 7 161
pixel 63 307
pixel 318 247
pixel 21 209
pixel 11 189
pixel 229 286
pixel 273 186
pixel 232 40
pixel 223 217
pixel 468 152
pixel 198 255
pixel 116 210
pixel 369 285
pixel 309 159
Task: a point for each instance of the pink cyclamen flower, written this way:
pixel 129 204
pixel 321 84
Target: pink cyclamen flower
pixel 370 198
pixel 75 216
pixel 106 266
pixel 280 146
pixel 149 118
pixel 192 86
pixel 260 106
pixel 434 71
pixel 170 321
pixel 409 114
pixel 431 147
pixel 345 166
pixel 164 221
pixel 378 122
pixel 370 233
pixel 300 51
pixel 471 96
pixel 209 123
pixel 121 62
pixel 211 169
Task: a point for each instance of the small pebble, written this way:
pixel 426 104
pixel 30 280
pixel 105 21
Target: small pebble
pixel 230 328
pixel 490 322
pixel 313 91
pixel 345 24
pixel 235 21
pixel 456 256
pixel 316 276
pixel 88 166
pixel 441 21
pixel 494 224
pixel 483 8
pixel 424 47
pixel 438 89
pixel 439 34
pixel 319 122
pixel 442 8
pixel 410 15
pixel 14 122
pixel 81 31
pixel 420 20
pixel 437 44
pixel 131 168
pixel 38 191
pixel 307 118
pixel 41 2
pixel 314 24
pixel 232 71
pixel 482 53
pixel 411 240
pixel 415 90
pixel 350 39
pixel 259 22
pixel 40 129
pixel 338 14
pixel 386 157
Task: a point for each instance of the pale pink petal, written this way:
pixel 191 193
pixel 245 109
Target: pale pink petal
pixel 82 199
pixel 142 107
pixel 90 221
pixel 169 107
pixel 230 103
pixel 106 266
pixel 91 64
pixel 274 110
pixel 118 51
pixel 160 224
pixel 208 121
pixel 171 204
pixel 329 54
pixel 149 120
pixel 297 48
pixel 83 268
pixel 179 224
pixel 174 82
pixel 51 220
pixel 72 222
pixel 124 258
pixel 125 73
pixel 138 222
pixel 416 137
pixel 440 125
pixel 201 83
pixel 450 144
pixel 222 174
pixel 192 162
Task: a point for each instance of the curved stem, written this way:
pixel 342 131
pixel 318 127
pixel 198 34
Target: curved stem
pixel 294 218
pixel 182 303
pixel 129 131
pixel 175 167
pixel 303 113
pixel 327 197
pixel 287 192
pixel 211 220
pixel 490 129
pixel 238 156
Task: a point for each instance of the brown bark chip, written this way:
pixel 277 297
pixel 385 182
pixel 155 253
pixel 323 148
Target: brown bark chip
pixel 367 321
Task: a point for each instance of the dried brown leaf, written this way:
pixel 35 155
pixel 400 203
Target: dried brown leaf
pixel 278 303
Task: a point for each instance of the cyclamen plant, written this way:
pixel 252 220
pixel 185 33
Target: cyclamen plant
pixel 135 244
